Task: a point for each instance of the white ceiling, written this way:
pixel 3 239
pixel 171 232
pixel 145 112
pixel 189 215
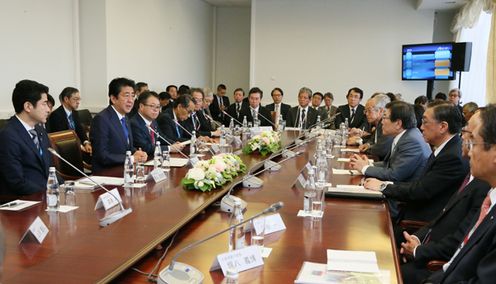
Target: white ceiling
pixel 440 4
pixel 242 3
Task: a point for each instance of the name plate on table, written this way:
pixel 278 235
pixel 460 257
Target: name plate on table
pixel 37 229
pixel 194 160
pixel 273 223
pixel 308 166
pixel 157 175
pixel 239 260
pixel 301 182
pixel 215 148
pixel 108 200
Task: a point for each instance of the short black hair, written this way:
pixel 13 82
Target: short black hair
pixel 356 90
pixel 277 89
pixel 169 87
pixel 67 92
pixel 445 111
pixel 164 96
pixel 140 85
pixel 27 91
pixel 329 95
pixel 488 127
pixel 145 95
pixel 183 101
pixel 421 100
pixel 221 87
pixel 50 99
pixel 399 110
pixel 117 84
pixel 239 90
pixel 441 96
pixel 318 94
pixel 183 90
pixel 255 90
pixel 391 96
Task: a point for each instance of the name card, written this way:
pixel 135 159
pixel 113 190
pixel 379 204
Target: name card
pixel 215 148
pixel 194 160
pixel 301 182
pixel 273 223
pixel 239 260
pixel 157 175
pixel 37 229
pixel 308 166
pixel 108 200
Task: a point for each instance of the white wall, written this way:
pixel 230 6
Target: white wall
pixel 335 45
pixel 38 43
pixel 232 48
pixel 442 33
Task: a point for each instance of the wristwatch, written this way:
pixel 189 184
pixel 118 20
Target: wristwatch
pixel 383 186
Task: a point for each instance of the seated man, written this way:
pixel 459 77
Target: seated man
pixel 424 198
pixel 317 99
pixel 302 116
pixel 235 108
pixel 66 117
pixel 353 111
pixel 262 114
pixel 278 106
pixel 438 240
pixel 469 110
pixel 197 121
pixel 165 101
pixel 168 121
pixel 473 260
pixel 328 108
pixel 219 104
pixel 408 154
pixel 374 143
pixel 24 155
pixel 111 134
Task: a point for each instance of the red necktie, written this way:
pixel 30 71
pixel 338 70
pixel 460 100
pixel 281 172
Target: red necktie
pixel 152 137
pixel 486 204
pixel 464 184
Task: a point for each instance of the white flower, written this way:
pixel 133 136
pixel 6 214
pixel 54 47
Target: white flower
pixel 196 174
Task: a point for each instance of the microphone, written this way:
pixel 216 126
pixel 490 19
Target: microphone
pixel 213 120
pixel 168 143
pixel 107 220
pixel 190 134
pixel 178 272
pixel 232 117
pixel 271 123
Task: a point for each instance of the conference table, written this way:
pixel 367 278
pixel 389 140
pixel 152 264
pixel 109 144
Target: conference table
pixel 78 250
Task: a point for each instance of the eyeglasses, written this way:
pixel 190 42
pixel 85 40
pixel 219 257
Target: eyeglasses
pixel 128 96
pixel 425 121
pixel 386 117
pixel 155 107
pixel 470 144
pixel 465 131
pixel 369 110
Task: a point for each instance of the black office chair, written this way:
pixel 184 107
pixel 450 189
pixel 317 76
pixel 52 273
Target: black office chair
pixel 3 122
pixel 67 144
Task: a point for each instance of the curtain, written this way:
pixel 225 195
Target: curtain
pixel 491 62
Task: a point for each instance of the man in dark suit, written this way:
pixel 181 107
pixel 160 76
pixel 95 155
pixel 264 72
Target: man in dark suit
pixel 328 108
pixel 374 143
pixel 111 134
pixel 302 116
pixel 425 197
pixel 139 88
pixel 235 108
pixel 219 104
pixel 353 111
pixel 197 121
pixel 408 154
pixel 254 108
pixel 172 90
pixel 317 99
pixel 278 107
pixel 168 121
pixel 474 260
pixel 66 117
pixel 24 155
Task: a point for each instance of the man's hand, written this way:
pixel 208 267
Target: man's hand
pixel 87 148
pixel 373 184
pixel 216 133
pixel 176 147
pixel 140 156
pixel 357 162
pixel 409 246
pixel 364 147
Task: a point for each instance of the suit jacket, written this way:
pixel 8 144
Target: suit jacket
pixel 332 111
pixel 442 233
pixel 141 135
pixel 294 117
pixel 263 115
pixel 380 144
pixel 58 122
pixel 231 110
pixel 168 127
pixel 215 108
pixel 202 129
pixel 284 109
pixel 344 112
pixel 23 169
pixel 108 140
pixel 425 197
pixel 407 161
pixel 476 262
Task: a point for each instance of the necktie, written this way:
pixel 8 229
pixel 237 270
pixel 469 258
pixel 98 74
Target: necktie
pixel 486 204
pixel 352 115
pixel 124 128
pixel 152 135
pixel 196 122
pixel 302 121
pixel 177 129
pixel 36 141
pixel 254 114
pixel 237 109
pixel 464 184
pixel 71 121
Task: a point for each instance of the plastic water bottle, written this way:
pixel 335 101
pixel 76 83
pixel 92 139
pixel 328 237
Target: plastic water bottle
pixel 245 131
pixel 281 124
pixel 53 191
pixel 322 168
pixel 222 140
pixel 192 144
pixel 344 133
pixel 157 156
pixel 256 122
pixel 346 123
pixel 245 122
pixel 166 160
pixel 309 193
pixel 237 235
pixel 128 169
pixel 231 125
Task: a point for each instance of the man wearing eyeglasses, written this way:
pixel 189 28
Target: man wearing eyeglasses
pixel 425 197
pixel 111 134
pixel 168 120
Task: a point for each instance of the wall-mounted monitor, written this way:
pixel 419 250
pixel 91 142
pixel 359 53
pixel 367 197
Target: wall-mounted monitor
pixel 432 61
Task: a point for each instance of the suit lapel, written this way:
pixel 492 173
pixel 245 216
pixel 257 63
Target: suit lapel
pixel 116 124
pixel 27 139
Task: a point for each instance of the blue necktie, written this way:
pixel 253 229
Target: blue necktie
pixel 36 141
pixel 71 122
pixel 177 130
pixel 124 128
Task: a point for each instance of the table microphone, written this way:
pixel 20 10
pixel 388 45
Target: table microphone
pixel 213 120
pixel 168 143
pixel 178 272
pixel 107 220
pixel 191 134
pixel 240 123
pixel 271 123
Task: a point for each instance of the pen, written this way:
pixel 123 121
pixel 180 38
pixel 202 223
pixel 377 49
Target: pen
pixel 10 204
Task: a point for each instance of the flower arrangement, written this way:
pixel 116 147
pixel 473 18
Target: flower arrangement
pixel 265 143
pixel 208 174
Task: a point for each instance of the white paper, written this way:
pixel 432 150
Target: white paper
pixel 115 181
pixel 316 273
pixel 346 172
pixel 302 213
pixel 18 205
pixel 240 260
pixel 274 223
pixel 347 160
pixel 292 129
pixel 178 162
pixel 346 188
pixel 38 229
pixel 266 252
pixel 108 200
pixel 65 208
pixel 157 175
pixel 356 261
pixel 350 150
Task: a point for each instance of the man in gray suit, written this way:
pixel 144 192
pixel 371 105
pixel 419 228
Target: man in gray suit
pixel 408 153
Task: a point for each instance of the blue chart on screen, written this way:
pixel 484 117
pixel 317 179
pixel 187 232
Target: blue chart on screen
pixel 428 62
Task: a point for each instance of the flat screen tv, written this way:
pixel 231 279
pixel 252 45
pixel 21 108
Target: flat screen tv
pixel 430 61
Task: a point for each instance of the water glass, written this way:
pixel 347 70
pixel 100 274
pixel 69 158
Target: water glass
pixel 258 231
pixel 140 172
pixel 318 201
pixel 166 160
pixel 70 195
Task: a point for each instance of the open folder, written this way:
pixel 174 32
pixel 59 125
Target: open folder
pixel 356 191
